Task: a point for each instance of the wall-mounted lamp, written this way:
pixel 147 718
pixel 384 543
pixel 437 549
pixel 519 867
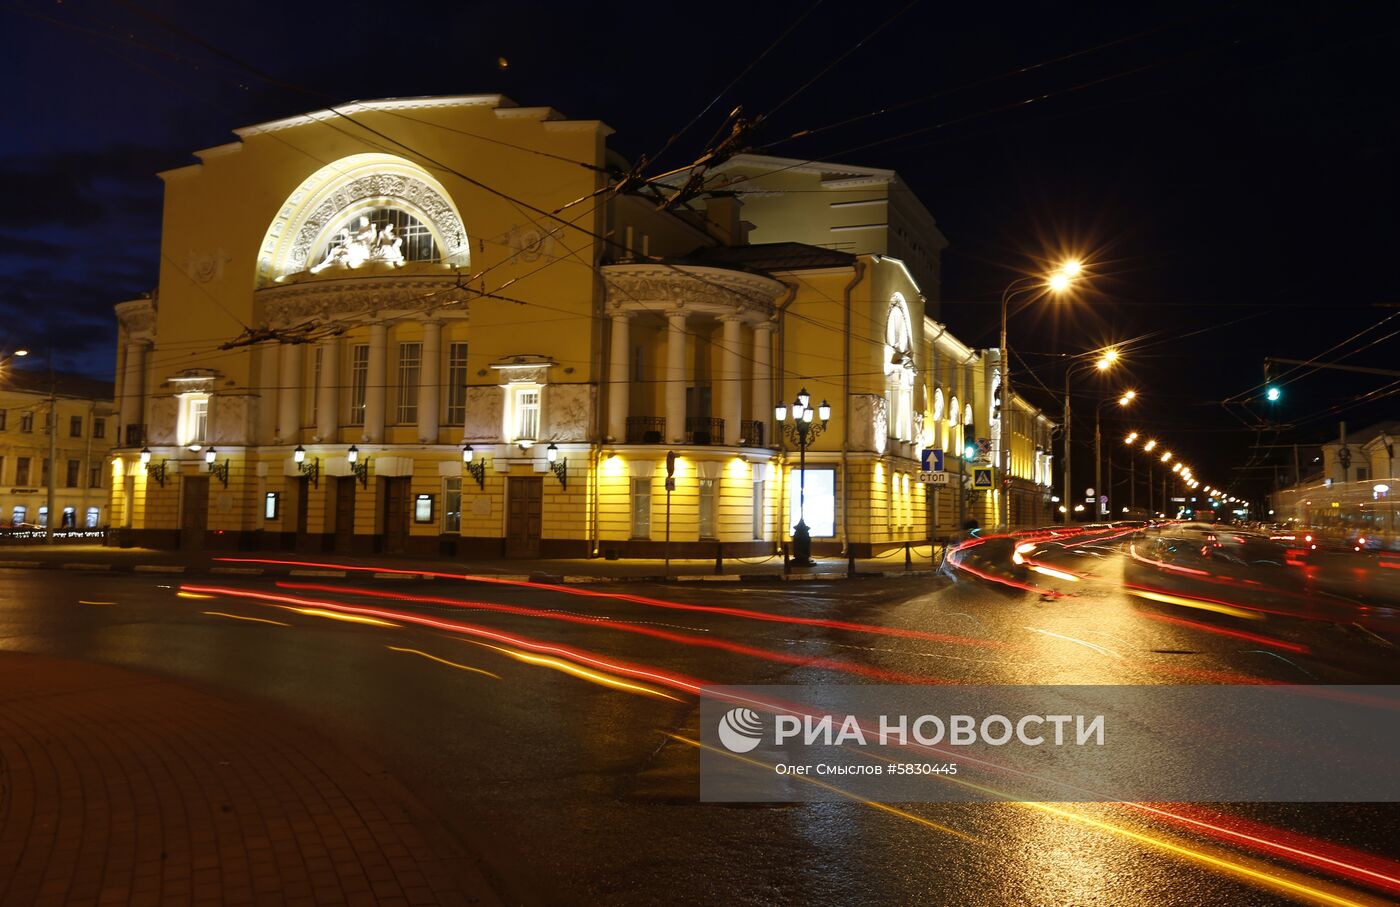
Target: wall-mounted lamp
pixel 474 467
pixel 216 469
pixel 559 467
pixel 153 472
pixel 312 469
pixel 361 470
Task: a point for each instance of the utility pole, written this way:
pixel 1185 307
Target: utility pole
pixel 53 450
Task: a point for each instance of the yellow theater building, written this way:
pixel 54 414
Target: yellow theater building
pixel 433 326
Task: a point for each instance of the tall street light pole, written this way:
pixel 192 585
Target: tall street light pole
pixel 1057 281
pixel 802 430
pixel 1125 400
pixel 1105 361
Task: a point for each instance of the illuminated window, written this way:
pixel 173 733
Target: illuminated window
pixel 452 504
pixel 359 382
pixel 19 515
pixel 899 370
pixel 758 507
pixel 523 415
pixel 271 505
pixel 410 363
pixel 94 517
pixel 457 384
pixel 641 508
pixel 709 500
pixel 193 419
pixel 423 508
pixel 377 234
pixel 820 512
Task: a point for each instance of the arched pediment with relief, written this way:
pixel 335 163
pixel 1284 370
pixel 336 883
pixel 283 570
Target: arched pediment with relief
pixel 363 208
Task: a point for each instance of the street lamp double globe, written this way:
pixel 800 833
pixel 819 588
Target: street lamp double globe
pixel 802 429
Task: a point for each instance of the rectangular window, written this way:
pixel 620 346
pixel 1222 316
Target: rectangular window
pixel 199 420
pixel 2 470
pixel 4 418
pixel 22 471
pixel 709 500
pixel 641 508
pixel 44 474
pixel 271 505
pixel 99 428
pixel 410 363
pixel 359 380
pixel 95 476
pixel 527 414
pixel 893 501
pixel 75 426
pixel 759 505
pixel 26 423
pixel 73 471
pixel 457 384
pixel 820 509
pixel 19 515
pixel 452 504
pixel 94 516
pixel 315 385
pixel 423 508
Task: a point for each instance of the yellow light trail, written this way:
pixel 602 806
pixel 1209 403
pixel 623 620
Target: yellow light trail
pixel 336 615
pixel 1196 603
pixel 82 602
pixel 874 804
pixel 192 595
pixel 1296 885
pixel 256 620
pixel 568 667
pixel 450 664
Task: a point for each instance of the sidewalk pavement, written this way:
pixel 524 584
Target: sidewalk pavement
pixel 594 570
pixel 125 788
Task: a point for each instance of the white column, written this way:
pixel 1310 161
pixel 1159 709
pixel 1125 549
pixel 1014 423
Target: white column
pixel 270 364
pixel 375 379
pixel 763 401
pixel 289 394
pixel 328 394
pixel 619 376
pixel 731 403
pixel 430 382
pixel 133 387
pixel 675 377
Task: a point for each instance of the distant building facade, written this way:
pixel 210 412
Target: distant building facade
pixel 84 433
pixel 1356 490
pixel 475 348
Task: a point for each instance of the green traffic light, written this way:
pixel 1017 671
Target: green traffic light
pixel 969 452
pixel 1273 394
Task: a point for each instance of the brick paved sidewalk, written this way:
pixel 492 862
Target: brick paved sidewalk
pixel 118 787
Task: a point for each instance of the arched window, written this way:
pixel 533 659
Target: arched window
pixel 899 370
pixel 955 438
pixel 380 233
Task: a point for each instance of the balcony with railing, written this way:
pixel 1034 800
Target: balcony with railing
pixel 751 433
pixel 652 430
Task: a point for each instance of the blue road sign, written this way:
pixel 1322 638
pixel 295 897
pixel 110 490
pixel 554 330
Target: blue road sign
pixel 982 477
pixel 931 459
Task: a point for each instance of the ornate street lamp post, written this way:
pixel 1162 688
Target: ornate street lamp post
pixel 804 428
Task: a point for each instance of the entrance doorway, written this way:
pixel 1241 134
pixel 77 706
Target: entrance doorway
pixel 396 507
pixel 194 511
pixel 524 515
pixel 345 513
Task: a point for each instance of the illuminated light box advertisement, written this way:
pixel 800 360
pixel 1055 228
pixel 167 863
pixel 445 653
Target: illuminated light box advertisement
pixel 949 743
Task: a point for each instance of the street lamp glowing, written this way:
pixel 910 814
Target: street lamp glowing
pixel 1131 438
pixel 1147 448
pixel 21 353
pixel 1071 268
pixel 1166 456
pixel 1176 467
pixel 1128 397
pixel 1058 282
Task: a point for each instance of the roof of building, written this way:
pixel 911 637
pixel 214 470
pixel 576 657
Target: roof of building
pixel 65 384
pixel 1370 433
pixel 777 256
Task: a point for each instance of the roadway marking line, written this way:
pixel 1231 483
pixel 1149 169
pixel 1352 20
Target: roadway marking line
pixel 579 579
pixel 398 576
pixel 689 578
pixel 251 571
pixel 159 568
pixel 1088 645
pixel 722 578
pixel 85 566
pixel 24 564
pixel 303 572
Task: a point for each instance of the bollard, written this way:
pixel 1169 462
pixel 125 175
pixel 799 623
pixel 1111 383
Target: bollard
pixel 719 559
pixel 850 561
pixel 787 565
pixel 908 557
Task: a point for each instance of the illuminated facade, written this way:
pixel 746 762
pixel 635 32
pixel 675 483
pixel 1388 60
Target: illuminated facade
pixel 456 341
pixel 82 436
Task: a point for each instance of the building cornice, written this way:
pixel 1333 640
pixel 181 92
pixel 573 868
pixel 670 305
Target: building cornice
pixel 352 298
pixel 716 291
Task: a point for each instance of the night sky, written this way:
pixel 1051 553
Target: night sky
pixel 1228 171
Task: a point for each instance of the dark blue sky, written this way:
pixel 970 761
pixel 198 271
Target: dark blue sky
pixel 1230 168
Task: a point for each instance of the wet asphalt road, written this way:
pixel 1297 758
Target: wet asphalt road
pixel 572 791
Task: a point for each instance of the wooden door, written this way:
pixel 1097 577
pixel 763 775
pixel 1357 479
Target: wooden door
pixel 194 511
pixel 396 511
pixel 345 513
pixel 524 515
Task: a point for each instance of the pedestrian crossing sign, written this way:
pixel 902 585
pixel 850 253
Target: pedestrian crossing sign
pixel 982 477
